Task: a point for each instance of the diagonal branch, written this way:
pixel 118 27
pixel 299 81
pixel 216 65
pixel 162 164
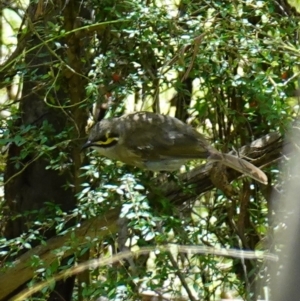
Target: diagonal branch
pixel 262 152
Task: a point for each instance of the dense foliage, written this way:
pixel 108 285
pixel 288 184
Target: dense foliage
pixel 229 68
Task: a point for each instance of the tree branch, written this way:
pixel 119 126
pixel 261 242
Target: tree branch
pixel 263 151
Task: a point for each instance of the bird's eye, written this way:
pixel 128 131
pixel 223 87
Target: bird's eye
pixel 103 139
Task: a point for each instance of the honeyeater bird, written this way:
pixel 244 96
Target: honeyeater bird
pixel 159 143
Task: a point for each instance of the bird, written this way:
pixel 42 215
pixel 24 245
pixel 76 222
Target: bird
pixel 159 142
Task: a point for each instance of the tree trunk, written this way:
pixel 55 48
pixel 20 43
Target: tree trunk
pixel 32 183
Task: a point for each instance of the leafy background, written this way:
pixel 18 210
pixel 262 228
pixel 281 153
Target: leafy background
pixel 229 68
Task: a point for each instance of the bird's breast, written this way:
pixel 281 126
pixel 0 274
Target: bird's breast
pixel 122 154
pixel 164 164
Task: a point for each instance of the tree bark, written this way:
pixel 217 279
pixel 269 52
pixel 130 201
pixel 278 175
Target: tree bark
pixel 33 184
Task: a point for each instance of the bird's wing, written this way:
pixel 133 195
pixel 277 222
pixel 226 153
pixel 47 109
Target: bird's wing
pixel 164 138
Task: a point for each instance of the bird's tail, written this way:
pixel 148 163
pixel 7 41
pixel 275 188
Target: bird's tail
pixel 240 165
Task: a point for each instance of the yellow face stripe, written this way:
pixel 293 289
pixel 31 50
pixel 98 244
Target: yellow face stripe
pixel 109 140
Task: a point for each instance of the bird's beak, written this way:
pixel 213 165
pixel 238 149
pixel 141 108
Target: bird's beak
pixel 86 145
